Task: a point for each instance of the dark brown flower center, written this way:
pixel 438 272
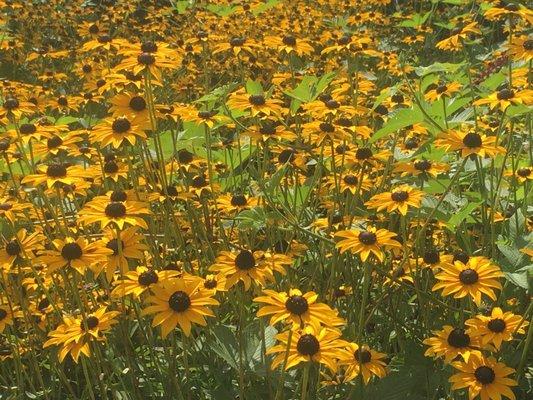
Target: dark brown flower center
pixel 441 89
pixel 71 251
pixel 43 304
pixel 257 99
pixel 104 39
pixel 458 338
pixel 350 180
pixel 210 283
pixel 485 375
pixel 398 98
pixel 297 304
pixel 472 140
pixel 362 355
pixel 113 245
pixel 286 155
pixel 245 260
pixel 148 278
pixel 115 210
pixel 5 206
pixel 367 238
pixel 399 196
pixel 505 94
pixel 326 128
pixel 528 45
pixel 146 59
pixel 91 321
pixel 431 257
pixel 184 156
pixel 289 40
pixel 149 47
pixel 523 172
pixel 27 129
pixel 237 42
pixel 308 345
pixel 344 40
pixel 54 142
pixel 119 195
pixel 179 301
pixel 422 165
pixel 468 276
pixel 199 181
pixel 496 325
pixel 13 248
pixel 238 200
pixel 11 103
pixel 137 103
pixel 461 256
pixel 56 171
pixel 3 314
pixel 111 167
pixel 363 153
pixel 121 125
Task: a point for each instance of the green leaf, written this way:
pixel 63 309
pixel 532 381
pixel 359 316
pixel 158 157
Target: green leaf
pixel 520 279
pixel 182 5
pixel 310 87
pixel 254 87
pixel 402 119
pixel 415 20
pixel 438 67
pixel 225 345
pixel 459 217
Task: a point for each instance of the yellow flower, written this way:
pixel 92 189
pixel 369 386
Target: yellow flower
pixel 361 359
pixel 322 346
pixel 472 279
pixel 296 308
pixel 451 342
pixel 366 242
pixel 399 199
pixel 498 327
pixel 484 377
pixel 180 301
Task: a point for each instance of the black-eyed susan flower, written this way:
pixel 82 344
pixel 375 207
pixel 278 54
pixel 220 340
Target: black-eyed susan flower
pixel 55 174
pixel 245 266
pixel 129 246
pixel 507 97
pixel 442 90
pixel 255 104
pixel 21 247
pixel 7 314
pixel 457 37
pixel 478 276
pixel 75 253
pixel 469 142
pixel 179 301
pixel 451 342
pixel 363 360
pixel 289 44
pixel 132 106
pixel 484 377
pixel 322 346
pixel 297 308
pixel 116 131
pixel 366 242
pixel 75 333
pixel 120 212
pixel 421 167
pixel 140 280
pixel 400 198
pixel 497 327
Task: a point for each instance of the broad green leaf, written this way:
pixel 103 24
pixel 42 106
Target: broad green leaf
pixel 402 119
